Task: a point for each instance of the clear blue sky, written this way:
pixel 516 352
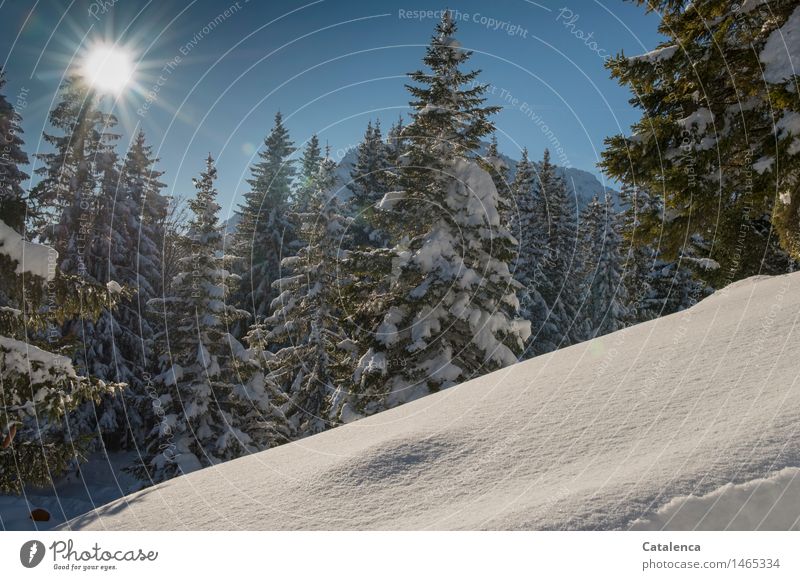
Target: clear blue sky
pixel 329 66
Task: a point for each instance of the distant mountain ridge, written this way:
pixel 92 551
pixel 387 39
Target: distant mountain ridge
pixel 581 183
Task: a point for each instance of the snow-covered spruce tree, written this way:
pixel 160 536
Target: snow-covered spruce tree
pixel 173 248
pixel 654 286
pixel 70 208
pixel 96 352
pixel 604 298
pixel 200 393
pixel 12 204
pixel 38 385
pixel 307 317
pixel 141 222
pixel 264 234
pixel 673 287
pixel 638 256
pixel 451 305
pixel 262 399
pixel 369 183
pixel 395 142
pixel 130 237
pixel 498 169
pixel 144 218
pixel 531 244
pixel 719 137
pixel 309 168
pixel 106 195
pixel 64 205
pixel 523 223
pixel 558 278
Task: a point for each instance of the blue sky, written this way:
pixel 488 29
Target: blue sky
pixel 329 66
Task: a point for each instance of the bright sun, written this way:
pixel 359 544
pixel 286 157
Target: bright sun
pixel 108 69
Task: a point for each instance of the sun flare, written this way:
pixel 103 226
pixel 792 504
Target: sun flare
pixel 108 69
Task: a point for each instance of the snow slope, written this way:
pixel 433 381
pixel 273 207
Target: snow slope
pixel 614 433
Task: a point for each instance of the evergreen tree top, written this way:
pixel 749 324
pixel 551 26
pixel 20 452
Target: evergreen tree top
pixel 311 156
pixel 139 164
pixel 523 176
pixel 326 176
pixel 77 107
pixel 273 174
pixel 549 180
pixel 492 150
pixel 11 176
pixel 448 104
pixel 396 129
pixel 204 206
pixel 278 141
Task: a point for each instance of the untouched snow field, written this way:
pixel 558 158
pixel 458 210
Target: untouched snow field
pixel 690 421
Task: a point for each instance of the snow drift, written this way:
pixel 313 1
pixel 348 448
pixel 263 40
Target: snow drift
pixel 769 503
pixel 656 426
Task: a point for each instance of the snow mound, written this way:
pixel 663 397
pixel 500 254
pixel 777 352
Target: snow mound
pixel 114 287
pixel 36 365
pixel 596 436
pixel 762 504
pixel 663 53
pixel 780 53
pixel 36 259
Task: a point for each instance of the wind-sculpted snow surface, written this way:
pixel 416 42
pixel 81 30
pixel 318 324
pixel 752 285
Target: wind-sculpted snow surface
pixel 596 436
pixel 760 504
